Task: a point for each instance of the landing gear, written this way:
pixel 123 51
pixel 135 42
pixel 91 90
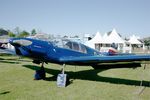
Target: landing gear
pixel 40 74
pixel 62 78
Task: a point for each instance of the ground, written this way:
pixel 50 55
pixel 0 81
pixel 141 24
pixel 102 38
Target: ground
pixel 17 82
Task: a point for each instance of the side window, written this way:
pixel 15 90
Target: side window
pixel 68 45
pixel 83 49
pixel 75 47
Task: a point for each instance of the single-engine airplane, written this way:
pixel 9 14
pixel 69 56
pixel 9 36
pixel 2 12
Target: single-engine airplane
pixel 68 52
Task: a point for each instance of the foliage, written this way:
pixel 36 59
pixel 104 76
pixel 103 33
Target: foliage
pixel 33 32
pixel 11 34
pixel 17 32
pixel 65 36
pixel 147 42
pixel 23 34
pixel 76 36
pixel 3 32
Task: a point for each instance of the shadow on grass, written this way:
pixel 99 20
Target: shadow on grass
pixel 2 59
pixel 117 65
pixel 10 62
pixel 13 60
pixel 90 75
pixel 3 93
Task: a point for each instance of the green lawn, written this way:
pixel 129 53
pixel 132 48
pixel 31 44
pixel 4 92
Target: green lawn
pixel 16 82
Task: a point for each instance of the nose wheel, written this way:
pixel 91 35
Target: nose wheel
pixel 40 74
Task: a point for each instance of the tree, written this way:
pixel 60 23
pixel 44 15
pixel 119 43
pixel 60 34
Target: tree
pixel 3 32
pixel 76 36
pixel 33 32
pixel 147 42
pixel 23 34
pixel 65 36
pixel 11 34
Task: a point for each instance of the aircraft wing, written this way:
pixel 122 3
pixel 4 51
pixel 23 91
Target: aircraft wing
pixel 104 59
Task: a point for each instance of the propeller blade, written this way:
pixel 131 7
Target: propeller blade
pixel 3 43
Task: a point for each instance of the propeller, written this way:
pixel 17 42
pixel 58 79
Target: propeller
pixel 5 47
pixel 4 44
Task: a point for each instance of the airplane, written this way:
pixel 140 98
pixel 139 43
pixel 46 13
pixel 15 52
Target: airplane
pixel 66 52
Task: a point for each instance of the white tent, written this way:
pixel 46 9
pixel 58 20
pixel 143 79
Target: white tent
pixel 101 43
pixel 134 40
pixel 105 36
pixel 97 39
pixel 110 38
pixel 113 37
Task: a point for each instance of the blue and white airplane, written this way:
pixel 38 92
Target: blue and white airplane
pixel 68 52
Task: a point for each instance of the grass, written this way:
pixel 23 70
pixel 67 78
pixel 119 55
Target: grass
pixel 16 82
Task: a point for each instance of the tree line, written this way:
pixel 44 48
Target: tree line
pixel 17 32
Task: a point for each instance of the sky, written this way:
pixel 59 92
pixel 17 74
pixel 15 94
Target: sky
pixel 77 17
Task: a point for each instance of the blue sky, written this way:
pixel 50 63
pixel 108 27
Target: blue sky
pixel 77 16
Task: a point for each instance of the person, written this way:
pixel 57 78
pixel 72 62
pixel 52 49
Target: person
pixel 113 45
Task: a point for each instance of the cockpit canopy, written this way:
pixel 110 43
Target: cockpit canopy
pixel 65 43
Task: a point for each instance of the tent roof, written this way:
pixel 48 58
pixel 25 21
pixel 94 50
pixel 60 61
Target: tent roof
pixel 96 39
pixel 134 40
pixel 113 37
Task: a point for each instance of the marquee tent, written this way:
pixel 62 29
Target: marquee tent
pixel 104 42
pixel 134 40
pixel 97 39
pixel 113 37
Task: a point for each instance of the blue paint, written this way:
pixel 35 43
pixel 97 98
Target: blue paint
pixel 48 52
